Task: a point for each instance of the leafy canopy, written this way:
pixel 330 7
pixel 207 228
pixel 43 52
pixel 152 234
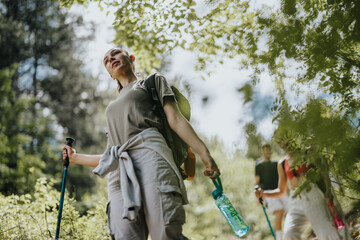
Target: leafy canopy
pixel 320 37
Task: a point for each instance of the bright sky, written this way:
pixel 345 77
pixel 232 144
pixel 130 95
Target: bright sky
pixel 225 113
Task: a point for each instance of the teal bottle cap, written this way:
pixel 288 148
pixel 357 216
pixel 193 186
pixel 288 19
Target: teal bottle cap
pixel 216 193
pixel 219 189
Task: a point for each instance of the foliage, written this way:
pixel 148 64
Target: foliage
pixel 328 141
pixel 254 141
pixel 50 65
pixel 34 216
pixel 320 37
pixel 16 162
pixel 46 93
pixel 150 27
pixel 324 138
pixel 318 40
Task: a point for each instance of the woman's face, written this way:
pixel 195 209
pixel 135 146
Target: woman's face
pixel 116 63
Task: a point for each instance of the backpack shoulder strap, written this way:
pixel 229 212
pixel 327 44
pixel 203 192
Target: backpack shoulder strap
pixel 151 87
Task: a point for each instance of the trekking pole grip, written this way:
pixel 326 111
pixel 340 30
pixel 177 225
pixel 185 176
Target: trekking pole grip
pixel 256 188
pixel 69 142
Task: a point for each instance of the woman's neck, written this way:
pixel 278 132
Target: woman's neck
pixel 126 79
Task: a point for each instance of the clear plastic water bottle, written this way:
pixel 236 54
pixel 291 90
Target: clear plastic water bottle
pixel 237 224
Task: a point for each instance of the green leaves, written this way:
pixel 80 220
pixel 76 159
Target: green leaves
pixel 152 28
pixel 43 89
pixel 323 137
pixel 322 38
pixel 34 216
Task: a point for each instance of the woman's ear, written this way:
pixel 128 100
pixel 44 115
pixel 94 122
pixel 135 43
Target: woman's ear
pixel 132 58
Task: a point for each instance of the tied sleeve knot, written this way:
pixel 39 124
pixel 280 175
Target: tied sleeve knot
pixel 116 157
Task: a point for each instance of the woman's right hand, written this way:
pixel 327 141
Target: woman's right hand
pixel 70 152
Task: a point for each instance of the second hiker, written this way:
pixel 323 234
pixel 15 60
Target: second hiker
pixel 266 176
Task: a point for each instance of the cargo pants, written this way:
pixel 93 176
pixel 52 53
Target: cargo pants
pixel 162 214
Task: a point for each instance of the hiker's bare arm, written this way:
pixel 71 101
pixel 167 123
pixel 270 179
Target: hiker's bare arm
pixel 182 127
pixel 81 159
pixel 257 179
pixel 282 186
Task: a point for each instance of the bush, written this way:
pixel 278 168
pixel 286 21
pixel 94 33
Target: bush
pixel 35 216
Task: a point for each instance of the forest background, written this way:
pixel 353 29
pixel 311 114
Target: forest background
pixel 310 50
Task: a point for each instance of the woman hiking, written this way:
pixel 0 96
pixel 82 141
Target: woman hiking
pixel 146 192
pixel 308 206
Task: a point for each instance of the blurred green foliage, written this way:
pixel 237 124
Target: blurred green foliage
pixel 45 94
pixel 322 37
pixel 318 40
pixel 328 140
pixel 19 168
pixel 34 216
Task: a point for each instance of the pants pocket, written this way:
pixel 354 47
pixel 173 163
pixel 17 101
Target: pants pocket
pixel 171 205
pixel 109 221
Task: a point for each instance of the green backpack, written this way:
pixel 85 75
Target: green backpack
pixel 179 148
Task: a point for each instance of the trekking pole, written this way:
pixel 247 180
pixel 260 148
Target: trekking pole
pixel 69 142
pixel 267 218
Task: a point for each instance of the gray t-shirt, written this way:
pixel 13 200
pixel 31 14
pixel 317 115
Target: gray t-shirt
pixel 132 112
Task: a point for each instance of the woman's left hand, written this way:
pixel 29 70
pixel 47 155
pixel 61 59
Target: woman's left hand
pixel 211 167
